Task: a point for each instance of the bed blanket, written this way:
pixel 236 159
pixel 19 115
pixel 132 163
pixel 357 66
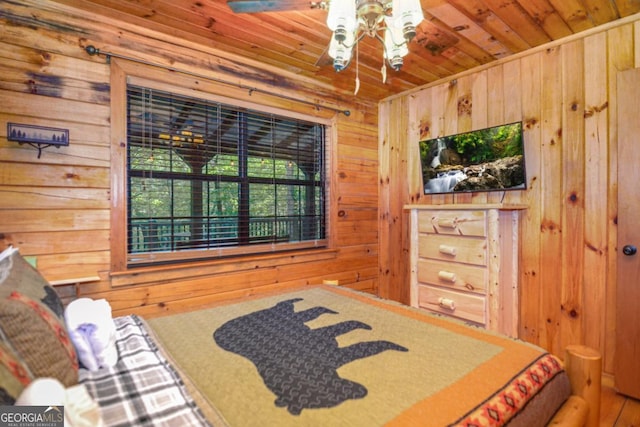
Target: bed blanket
pixel 327 356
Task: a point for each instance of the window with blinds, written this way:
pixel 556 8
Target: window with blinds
pixel 207 179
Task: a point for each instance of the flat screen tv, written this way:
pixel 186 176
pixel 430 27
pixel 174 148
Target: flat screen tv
pixel 490 159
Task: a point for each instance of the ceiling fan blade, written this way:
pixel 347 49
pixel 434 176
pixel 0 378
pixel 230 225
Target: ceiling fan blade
pixel 254 6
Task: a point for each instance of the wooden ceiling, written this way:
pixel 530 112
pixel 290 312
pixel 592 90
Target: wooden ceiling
pixel 456 35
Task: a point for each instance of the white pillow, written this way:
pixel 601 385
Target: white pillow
pixel 80 410
pixel 42 392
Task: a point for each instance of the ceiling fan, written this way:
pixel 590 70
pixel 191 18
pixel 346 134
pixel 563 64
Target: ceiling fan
pixel 391 22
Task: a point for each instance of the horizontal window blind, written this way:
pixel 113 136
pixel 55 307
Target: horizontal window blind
pixel 207 179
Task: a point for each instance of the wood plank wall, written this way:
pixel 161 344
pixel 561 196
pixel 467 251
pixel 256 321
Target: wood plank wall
pixel 57 208
pixel 565 95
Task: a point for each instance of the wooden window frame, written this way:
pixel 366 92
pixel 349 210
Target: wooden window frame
pixel 124 72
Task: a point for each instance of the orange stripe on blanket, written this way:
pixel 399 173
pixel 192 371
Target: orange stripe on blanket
pixel 506 403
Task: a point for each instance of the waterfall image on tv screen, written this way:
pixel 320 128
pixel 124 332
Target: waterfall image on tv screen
pixel 490 159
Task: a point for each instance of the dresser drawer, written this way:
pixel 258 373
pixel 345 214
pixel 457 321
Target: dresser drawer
pixel 468 278
pixel 464 306
pixel 470 250
pixel 459 223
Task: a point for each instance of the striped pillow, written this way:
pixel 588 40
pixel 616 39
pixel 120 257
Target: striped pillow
pixel 39 338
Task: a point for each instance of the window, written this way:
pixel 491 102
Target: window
pixel 206 179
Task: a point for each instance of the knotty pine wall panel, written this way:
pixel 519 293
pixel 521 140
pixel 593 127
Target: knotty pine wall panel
pixel 57 208
pixel 565 95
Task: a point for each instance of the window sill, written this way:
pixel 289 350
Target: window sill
pixel 172 272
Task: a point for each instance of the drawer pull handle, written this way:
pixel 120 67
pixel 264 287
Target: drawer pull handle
pixel 447 250
pixel 447 276
pixel 446 303
pixel 447 222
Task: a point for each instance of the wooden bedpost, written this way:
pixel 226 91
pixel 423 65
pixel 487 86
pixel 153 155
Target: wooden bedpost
pixel 584 367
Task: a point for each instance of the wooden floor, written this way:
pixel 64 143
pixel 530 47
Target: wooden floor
pixel 617 410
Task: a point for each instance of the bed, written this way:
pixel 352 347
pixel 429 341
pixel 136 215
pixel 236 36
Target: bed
pixel 325 355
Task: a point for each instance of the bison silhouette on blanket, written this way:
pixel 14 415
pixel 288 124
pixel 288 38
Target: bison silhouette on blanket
pixel 297 363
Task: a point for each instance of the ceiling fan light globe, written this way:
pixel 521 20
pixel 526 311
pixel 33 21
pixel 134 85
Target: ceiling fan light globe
pixel 339 65
pixel 341 44
pixel 342 13
pixel 396 63
pixel 409 32
pixel 394 43
pixel 340 34
pixel 394 58
pixel 407 13
pixel 340 52
pixel 394 51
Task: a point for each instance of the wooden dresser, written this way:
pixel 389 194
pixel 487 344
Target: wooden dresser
pixel 464 262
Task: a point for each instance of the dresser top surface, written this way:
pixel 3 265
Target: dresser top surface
pixel 467 206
